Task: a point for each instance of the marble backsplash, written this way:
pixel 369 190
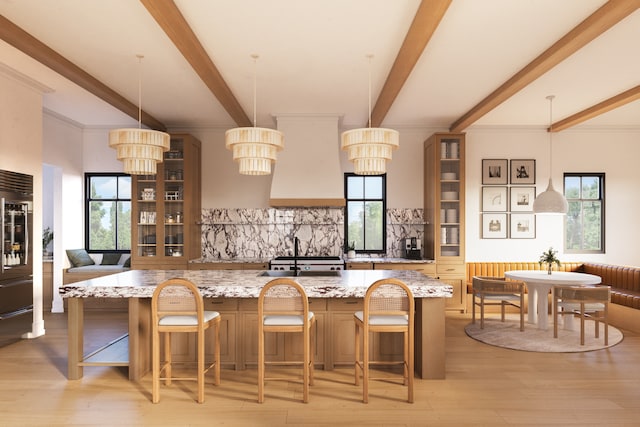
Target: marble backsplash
pixel 266 233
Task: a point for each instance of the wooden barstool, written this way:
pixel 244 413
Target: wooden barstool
pixel 283 307
pixel 177 306
pixel 388 307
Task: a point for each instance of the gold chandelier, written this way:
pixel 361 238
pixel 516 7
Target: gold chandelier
pixel 254 148
pixel 370 148
pixel 139 149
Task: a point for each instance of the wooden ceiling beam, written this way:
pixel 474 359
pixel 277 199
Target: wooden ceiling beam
pixel 425 22
pixel 25 42
pixel 171 20
pixel 612 103
pixel 593 26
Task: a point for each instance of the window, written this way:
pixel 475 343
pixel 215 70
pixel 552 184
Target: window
pixel 108 212
pixel 365 214
pixel 584 224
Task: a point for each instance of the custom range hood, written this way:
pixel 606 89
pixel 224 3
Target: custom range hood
pixel 308 172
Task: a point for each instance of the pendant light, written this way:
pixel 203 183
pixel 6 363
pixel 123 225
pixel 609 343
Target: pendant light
pixel 550 201
pixel 254 148
pixel 370 148
pixel 139 149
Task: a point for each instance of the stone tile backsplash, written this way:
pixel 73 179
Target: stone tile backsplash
pixel 266 233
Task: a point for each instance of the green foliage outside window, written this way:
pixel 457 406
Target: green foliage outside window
pixel 584 223
pixel 108 212
pixel 365 213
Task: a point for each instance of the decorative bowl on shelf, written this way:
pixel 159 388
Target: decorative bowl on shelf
pixel 449 176
pixel 449 195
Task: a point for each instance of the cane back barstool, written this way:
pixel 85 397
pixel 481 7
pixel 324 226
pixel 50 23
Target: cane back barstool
pixel 177 306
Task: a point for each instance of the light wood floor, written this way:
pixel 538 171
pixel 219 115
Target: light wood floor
pixel 485 386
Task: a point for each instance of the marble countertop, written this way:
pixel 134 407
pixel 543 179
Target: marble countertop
pixel 374 260
pixel 358 259
pixel 248 283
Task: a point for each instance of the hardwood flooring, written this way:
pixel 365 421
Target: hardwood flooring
pixel 485 386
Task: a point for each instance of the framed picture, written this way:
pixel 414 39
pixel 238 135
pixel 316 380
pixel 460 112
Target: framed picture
pixel 494 171
pixel 494 226
pixel 523 226
pixel 523 171
pixel 522 199
pixel 494 199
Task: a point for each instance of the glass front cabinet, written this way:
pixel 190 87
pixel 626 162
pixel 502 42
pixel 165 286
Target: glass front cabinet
pixel 167 209
pixel 444 211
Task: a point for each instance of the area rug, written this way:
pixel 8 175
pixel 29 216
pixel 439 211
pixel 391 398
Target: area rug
pixel 508 335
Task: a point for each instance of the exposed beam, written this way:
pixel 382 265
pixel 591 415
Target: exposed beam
pixel 425 22
pixel 21 40
pixel 597 23
pixel 612 103
pixel 170 19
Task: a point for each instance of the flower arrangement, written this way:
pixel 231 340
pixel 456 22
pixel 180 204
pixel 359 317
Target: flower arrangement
pixel 351 249
pixel 549 258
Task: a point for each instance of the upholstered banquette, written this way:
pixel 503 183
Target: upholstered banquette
pixel 624 280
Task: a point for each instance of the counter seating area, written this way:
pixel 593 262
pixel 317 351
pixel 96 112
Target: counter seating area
pixel 624 282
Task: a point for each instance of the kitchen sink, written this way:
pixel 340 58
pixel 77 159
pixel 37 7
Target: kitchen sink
pixel 303 273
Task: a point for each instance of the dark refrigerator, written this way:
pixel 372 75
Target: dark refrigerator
pixel 16 256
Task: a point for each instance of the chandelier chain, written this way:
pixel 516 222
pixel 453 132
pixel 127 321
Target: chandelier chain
pixel 140 90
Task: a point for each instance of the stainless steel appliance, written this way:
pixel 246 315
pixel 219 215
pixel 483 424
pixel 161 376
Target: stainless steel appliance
pixel 16 254
pixel 413 248
pixel 307 263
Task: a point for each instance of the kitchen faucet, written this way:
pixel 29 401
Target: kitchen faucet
pixel 296 243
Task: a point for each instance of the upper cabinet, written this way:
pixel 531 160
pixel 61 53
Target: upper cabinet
pixel 167 209
pixel 444 197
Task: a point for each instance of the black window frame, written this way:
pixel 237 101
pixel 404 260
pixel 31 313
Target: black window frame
pixel 383 199
pixel 601 199
pixel 87 202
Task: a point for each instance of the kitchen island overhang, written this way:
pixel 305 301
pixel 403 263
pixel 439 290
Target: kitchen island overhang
pixel 138 285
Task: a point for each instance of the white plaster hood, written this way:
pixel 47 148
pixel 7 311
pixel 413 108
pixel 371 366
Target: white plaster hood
pixel 307 172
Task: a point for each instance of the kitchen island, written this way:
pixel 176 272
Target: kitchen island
pixel 218 286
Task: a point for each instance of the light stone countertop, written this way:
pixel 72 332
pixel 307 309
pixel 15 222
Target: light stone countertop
pixel 358 259
pixel 248 283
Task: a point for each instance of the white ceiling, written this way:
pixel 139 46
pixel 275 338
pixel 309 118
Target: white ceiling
pixel 313 60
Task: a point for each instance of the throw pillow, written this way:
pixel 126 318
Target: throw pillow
pixel 110 259
pixel 127 263
pixel 79 257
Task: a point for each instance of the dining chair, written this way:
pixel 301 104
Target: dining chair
pixel 586 302
pixel 388 308
pixel 491 291
pixel 177 307
pixel 283 307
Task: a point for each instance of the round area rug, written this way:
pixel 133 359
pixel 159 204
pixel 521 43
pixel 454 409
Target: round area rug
pixel 507 335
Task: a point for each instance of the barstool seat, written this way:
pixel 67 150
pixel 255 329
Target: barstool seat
pixel 177 306
pixel 283 307
pixel 388 308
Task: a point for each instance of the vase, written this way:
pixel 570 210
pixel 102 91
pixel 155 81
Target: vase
pixel 549 268
pixel 351 254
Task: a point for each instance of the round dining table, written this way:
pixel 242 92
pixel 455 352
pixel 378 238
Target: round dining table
pixel 540 282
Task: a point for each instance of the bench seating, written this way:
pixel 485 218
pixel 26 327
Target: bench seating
pixel 624 282
pixel 86 272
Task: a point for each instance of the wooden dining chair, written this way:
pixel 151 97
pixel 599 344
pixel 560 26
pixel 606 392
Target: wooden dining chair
pixel 497 291
pixel 283 307
pixel 177 307
pixel 586 302
pixel 388 308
